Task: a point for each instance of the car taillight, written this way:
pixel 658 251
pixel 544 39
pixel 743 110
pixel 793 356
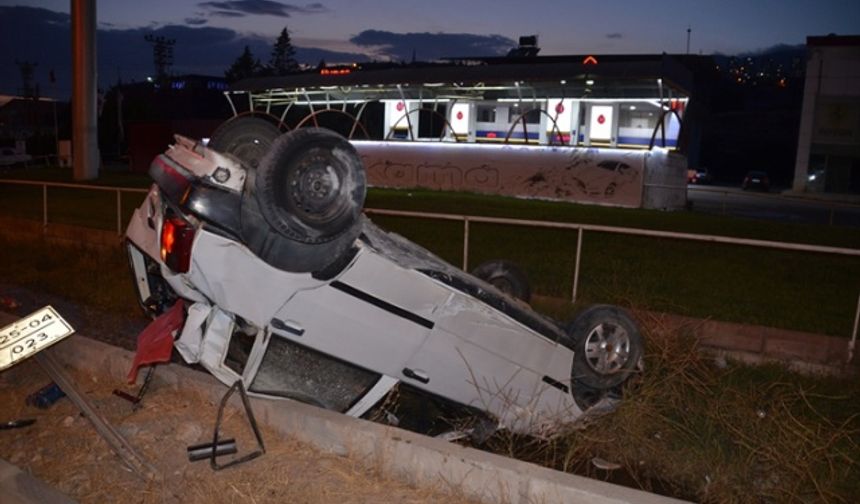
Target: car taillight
pixel 171 178
pixel 176 237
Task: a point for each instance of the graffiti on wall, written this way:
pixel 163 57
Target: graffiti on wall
pixel 609 176
pixel 447 176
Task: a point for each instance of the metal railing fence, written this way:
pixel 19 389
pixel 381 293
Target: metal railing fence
pixel 468 219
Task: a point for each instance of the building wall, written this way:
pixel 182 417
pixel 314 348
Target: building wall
pixel 828 152
pixel 603 176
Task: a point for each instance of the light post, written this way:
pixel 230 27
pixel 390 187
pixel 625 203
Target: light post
pixel 85 148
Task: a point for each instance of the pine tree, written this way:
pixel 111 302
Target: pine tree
pixel 283 59
pixel 245 66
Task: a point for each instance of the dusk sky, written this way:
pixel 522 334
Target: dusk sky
pixel 211 34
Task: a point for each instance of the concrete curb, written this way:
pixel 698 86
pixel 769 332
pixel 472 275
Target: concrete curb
pixel 837 200
pixel 799 351
pixel 803 352
pixel 18 487
pixel 394 452
pixel 843 200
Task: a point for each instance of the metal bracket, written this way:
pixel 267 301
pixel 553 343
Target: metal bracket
pixel 135 400
pixel 251 420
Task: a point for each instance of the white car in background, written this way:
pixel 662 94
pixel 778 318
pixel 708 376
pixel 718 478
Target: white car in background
pixel 289 288
pixel 9 157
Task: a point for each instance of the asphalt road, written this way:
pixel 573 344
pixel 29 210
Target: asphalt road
pixel 772 206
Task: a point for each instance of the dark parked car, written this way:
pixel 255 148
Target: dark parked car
pixel 756 180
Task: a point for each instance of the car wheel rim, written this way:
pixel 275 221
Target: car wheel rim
pixel 250 151
pixel 607 348
pixel 315 187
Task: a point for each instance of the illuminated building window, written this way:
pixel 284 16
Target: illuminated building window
pixel 532 113
pixel 487 113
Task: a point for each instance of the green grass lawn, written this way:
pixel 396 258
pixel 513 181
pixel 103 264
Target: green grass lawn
pixel 79 207
pixel 792 290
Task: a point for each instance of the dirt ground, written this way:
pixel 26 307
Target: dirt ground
pixel 63 449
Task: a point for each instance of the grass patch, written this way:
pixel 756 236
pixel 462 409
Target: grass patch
pixel 96 278
pixel 78 207
pixel 790 290
pixel 734 433
pixel 107 177
pixel 686 222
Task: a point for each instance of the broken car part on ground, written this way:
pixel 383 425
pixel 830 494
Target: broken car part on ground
pixel 290 289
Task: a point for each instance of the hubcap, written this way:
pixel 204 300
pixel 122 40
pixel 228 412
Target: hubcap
pixel 607 348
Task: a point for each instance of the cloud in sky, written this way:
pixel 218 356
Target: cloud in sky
pixel 615 35
pixel 431 46
pixel 42 36
pixel 227 14
pixel 241 8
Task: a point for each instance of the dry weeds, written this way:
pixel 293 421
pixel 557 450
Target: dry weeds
pixel 716 431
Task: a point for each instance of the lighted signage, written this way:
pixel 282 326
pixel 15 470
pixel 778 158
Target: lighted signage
pixel 460 118
pixel 589 60
pixel 335 71
pixel 397 114
pixel 560 110
pixel 600 127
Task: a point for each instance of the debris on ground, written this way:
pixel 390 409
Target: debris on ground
pixel 63 449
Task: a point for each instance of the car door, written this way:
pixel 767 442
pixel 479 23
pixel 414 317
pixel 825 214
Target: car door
pixel 375 315
pixel 479 357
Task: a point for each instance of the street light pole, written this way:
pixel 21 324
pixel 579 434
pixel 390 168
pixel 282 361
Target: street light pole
pixel 689 29
pixel 85 147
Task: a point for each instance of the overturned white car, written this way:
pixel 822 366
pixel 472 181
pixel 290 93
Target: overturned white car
pixel 289 288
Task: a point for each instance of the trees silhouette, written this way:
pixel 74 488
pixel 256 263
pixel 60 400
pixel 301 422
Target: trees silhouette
pixel 244 67
pixel 283 60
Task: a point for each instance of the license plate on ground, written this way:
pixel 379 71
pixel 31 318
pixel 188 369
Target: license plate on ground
pixel 31 334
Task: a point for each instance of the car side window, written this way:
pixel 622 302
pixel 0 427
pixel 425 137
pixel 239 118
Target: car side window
pixel 294 371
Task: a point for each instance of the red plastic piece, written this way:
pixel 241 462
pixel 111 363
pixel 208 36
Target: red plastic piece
pixel 155 343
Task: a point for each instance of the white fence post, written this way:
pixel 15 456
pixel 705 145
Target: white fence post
pixel 576 264
pixel 119 212
pixel 465 244
pixel 854 333
pixel 44 207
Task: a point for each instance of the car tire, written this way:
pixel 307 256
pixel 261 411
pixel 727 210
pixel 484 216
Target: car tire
pixel 248 138
pixel 311 186
pixel 607 346
pixel 505 276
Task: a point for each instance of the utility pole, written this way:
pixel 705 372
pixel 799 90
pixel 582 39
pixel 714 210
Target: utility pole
pixel 26 68
pixel 85 147
pixel 689 29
